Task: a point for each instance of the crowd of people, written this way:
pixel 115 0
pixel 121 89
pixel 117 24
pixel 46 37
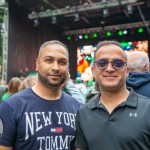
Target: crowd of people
pixel 52 112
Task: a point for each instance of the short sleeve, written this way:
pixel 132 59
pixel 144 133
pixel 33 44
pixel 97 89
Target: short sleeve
pixel 7 125
pixel 80 142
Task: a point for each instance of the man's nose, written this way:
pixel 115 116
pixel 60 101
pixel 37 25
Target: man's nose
pixel 110 67
pixel 55 65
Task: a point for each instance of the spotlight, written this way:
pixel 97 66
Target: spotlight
pixel 76 17
pixel 80 37
pixel 86 37
pixel 35 22
pixel 54 20
pixel 68 38
pixel 120 33
pixel 108 34
pixel 140 30
pixel 129 9
pixel 95 35
pixel 105 12
pixel 125 32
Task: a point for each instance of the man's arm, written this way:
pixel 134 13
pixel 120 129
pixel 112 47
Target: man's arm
pixel 7 127
pixel 74 92
pixel 5 148
pixel 81 142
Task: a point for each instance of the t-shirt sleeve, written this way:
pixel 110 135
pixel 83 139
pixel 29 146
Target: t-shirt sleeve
pixel 7 125
pixel 80 142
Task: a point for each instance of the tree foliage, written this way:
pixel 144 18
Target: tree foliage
pixel 1 33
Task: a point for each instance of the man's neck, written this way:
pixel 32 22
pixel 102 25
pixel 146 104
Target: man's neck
pixel 47 93
pixel 112 99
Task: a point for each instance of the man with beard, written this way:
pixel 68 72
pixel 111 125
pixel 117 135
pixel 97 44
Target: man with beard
pixel 41 117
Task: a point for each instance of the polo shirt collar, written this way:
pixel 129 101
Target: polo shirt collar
pixel 94 103
pixel 130 101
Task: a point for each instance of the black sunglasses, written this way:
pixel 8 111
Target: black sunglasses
pixel 116 64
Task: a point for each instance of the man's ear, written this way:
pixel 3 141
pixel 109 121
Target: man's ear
pixel 37 64
pixel 127 72
pixel 93 71
pixel 146 67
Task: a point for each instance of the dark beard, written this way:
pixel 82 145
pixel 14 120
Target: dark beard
pixel 48 83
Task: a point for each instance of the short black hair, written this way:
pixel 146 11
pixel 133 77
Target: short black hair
pixel 106 43
pixel 50 43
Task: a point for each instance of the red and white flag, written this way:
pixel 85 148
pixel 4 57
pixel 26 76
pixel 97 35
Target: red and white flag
pixel 57 130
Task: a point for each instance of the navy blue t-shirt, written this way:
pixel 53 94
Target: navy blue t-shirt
pixel 28 122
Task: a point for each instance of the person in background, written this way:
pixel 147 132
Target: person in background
pixel 13 87
pixel 3 87
pixel 70 88
pixel 118 118
pixel 3 90
pixel 139 76
pixel 81 86
pixel 93 93
pixel 41 117
pixel 2 81
pixel 28 82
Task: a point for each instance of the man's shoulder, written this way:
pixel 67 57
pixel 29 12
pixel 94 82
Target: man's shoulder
pixel 69 99
pixel 143 105
pixel 91 104
pixel 143 99
pixel 139 101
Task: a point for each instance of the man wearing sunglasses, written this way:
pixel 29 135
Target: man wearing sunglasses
pixel 118 118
